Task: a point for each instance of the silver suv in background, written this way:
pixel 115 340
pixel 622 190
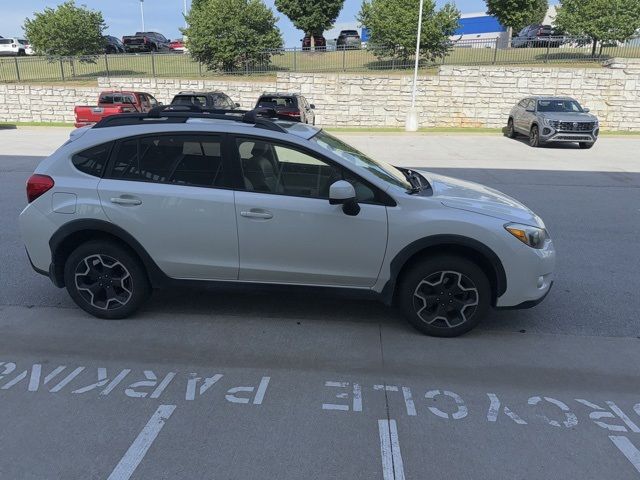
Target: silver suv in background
pixel 142 201
pixel 14 47
pixel 553 119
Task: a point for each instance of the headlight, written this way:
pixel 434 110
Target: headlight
pixel 533 236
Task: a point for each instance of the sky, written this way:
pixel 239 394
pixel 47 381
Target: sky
pixel 165 16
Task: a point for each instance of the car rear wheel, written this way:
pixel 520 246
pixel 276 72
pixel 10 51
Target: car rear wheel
pixel 106 280
pixel 444 296
pixel 534 137
pixel 586 145
pixel 511 131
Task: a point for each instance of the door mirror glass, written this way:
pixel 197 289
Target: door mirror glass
pixel 312 106
pixel 237 104
pixel 585 110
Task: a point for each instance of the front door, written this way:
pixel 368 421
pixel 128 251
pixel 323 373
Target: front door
pixel 287 230
pixel 169 192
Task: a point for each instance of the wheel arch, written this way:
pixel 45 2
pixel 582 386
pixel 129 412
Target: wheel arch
pixel 458 245
pixel 74 233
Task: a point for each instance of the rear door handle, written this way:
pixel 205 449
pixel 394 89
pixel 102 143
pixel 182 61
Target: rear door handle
pixel 257 214
pixel 126 201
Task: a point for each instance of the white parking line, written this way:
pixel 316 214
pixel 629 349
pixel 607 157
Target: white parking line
pixel 628 449
pixel 141 444
pixel 392 468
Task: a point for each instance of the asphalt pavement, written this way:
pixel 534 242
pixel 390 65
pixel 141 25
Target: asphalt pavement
pixel 270 383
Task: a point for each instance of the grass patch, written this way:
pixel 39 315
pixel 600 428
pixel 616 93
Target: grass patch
pixel 8 125
pixel 43 69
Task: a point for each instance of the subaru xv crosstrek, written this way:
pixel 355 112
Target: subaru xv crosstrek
pixel 145 201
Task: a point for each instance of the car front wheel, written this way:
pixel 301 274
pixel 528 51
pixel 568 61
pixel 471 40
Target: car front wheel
pixel 106 280
pixel 534 137
pixel 511 131
pixel 444 296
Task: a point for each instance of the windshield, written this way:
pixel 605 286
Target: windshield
pixel 559 106
pixel 383 170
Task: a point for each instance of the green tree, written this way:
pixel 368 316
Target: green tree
pixel 600 20
pixel 66 30
pixel 313 17
pixel 393 26
pixel 517 14
pixel 226 34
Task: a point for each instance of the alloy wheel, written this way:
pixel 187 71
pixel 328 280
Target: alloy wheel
pixel 103 281
pixel 533 137
pixel 445 299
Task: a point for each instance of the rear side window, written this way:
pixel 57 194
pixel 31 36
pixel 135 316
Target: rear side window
pixel 5 41
pixel 93 160
pixel 175 159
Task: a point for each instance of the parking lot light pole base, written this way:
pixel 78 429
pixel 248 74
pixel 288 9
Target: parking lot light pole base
pixel 411 121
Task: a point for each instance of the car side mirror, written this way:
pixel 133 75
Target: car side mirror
pixel 343 193
pixel 312 106
pixel 585 110
pixel 237 104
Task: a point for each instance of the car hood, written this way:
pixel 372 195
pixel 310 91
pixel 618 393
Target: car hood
pixel 569 116
pixel 477 198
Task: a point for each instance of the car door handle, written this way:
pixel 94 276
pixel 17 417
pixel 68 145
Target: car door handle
pixel 257 214
pixel 126 201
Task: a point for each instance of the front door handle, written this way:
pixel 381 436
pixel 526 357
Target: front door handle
pixel 263 214
pixel 126 201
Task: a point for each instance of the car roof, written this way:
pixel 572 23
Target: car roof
pixel 276 94
pixel 193 92
pixel 551 97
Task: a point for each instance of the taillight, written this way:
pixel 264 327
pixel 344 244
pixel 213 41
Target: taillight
pixel 290 113
pixel 13 45
pixel 37 185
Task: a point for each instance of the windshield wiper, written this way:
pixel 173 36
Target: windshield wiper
pixel 414 179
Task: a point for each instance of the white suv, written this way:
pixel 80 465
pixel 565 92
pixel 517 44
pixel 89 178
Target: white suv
pixel 147 201
pixel 15 46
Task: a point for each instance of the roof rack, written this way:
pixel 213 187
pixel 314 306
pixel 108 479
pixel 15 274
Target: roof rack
pixel 260 117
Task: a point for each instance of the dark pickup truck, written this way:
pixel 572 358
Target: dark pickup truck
pixel 146 42
pixel 113 103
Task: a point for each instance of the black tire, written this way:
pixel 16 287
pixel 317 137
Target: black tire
pixel 22 53
pixel 463 285
pixel 111 271
pixel 586 145
pixel 511 131
pixel 534 137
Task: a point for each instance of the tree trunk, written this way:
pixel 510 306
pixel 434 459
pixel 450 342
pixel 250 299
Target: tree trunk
pixel 593 47
pixel 509 36
pixel 312 42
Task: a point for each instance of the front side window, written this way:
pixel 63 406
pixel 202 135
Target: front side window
pixel 175 159
pixel 279 169
pixel 93 160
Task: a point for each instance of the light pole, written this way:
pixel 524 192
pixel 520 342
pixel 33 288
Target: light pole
pixel 142 13
pixel 411 124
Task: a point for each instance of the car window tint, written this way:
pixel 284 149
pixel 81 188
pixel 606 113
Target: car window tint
pixel 176 159
pixel 93 160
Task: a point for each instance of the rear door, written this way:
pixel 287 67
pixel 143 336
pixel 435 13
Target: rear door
pixel 170 192
pixel 287 230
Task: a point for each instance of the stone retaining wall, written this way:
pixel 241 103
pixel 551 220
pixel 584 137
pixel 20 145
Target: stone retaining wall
pixel 455 96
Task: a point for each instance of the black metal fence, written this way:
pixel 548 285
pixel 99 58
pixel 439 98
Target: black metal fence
pixel 534 51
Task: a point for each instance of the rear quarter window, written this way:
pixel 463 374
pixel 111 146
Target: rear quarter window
pixel 93 160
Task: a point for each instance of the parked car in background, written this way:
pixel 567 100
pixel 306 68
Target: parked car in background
pixel 319 41
pixel 113 44
pixel 538 36
pixel 137 203
pixel 214 100
pixel 551 120
pixel 113 103
pixel 146 42
pixel 178 46
pixel 14 47
pixel 349 40
pixel 290 106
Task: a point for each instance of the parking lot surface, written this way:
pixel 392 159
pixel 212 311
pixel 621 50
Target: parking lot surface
pixel 244 383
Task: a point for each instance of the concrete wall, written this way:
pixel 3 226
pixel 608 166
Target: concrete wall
pixel 456 96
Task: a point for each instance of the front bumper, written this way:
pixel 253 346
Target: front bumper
pixel 550 134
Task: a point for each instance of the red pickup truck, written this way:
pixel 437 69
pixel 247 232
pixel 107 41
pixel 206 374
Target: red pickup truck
pixel 113 103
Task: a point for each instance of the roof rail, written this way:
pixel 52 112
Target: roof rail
pixel 260 117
